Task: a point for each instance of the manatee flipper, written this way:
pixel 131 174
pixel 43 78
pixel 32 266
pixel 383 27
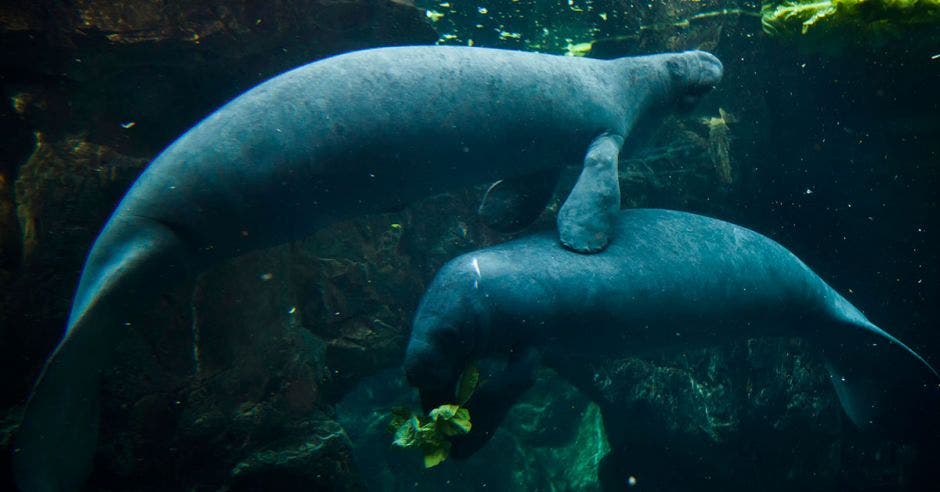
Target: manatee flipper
pixel 60 429
pixel 585 221
pixel 132 259
pixel 511 204
pixel 883 385
pixel 492 401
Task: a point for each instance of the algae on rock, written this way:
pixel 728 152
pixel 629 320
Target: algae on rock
pixel 832 24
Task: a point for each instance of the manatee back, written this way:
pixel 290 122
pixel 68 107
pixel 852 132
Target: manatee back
pixel 334 136
pixel 666 272
pixel 696 269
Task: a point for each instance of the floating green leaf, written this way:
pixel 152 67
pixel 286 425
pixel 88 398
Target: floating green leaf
pixel 406 435
pixel 451 420
pixel 431 433
pixel 435 456
pixel 467 384
pixel 400 415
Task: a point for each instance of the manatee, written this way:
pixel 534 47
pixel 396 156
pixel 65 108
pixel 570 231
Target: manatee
pixel 359 133
pixel 669 280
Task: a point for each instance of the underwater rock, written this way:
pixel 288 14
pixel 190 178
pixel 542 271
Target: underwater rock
pixel 63 193
pixel 713 393
pixel 136 73
pixel 357 290
pixel 139 21
pixel 582 455
pixel 702 419
pixel 554 424
pixel 319 461
pixel 9 231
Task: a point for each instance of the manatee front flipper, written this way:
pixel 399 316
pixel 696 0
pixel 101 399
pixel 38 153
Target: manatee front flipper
pixel 511 204
pixel 585 221
pixel 492 401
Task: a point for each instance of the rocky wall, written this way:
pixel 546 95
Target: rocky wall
pixel 274 370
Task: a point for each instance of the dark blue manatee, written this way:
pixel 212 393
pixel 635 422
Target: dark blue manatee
pixel 668 280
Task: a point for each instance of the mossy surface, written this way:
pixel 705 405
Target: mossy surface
pixel 834 24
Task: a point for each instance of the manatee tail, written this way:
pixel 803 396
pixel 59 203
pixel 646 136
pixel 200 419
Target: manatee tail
pixel 56 441
pixel 882 384
pixel 132 260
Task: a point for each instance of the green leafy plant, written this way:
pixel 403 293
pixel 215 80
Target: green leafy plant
pixel 842 21
pixel 431 434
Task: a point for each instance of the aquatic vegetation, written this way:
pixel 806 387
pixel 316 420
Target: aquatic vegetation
pixel 584 48
pixel 719 144
pixel 531 25
pixel 578 49
pixel 838 22
pixel 431 434
pixel 571 27
pixel 701 16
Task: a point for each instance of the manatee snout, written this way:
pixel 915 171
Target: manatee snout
pixel 694 73
pixel 710 68
pixel 428 366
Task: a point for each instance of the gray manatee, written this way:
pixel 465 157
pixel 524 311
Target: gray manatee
pixel 668 280
pixel 364 132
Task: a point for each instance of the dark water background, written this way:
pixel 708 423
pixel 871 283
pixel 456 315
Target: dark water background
pixel 834 155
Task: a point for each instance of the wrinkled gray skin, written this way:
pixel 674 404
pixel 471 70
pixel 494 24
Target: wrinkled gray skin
pixel 668 280
pixel 364 132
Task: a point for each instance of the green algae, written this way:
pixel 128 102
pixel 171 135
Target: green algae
pixel 835 23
